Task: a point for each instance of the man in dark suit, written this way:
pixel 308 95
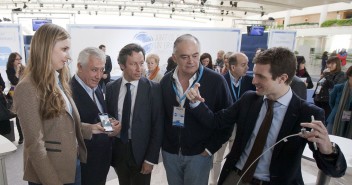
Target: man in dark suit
pixel 108 67
pixel 239 83
pixel 90 102
pixel 266 116
pixel 237 79
pixel 137 148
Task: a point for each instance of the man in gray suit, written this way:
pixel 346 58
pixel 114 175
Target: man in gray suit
pixel 137 103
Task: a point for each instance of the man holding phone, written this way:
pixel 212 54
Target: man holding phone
pixel 90 104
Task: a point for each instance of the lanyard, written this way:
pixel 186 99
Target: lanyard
pixel 201 68
pixel 237 96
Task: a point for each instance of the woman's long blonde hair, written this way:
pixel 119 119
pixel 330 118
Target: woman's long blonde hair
pixel 40 69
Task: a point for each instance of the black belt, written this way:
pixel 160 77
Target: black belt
pixel 254 181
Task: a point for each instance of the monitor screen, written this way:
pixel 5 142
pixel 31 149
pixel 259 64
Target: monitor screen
pixel 37 23
pixel 255 30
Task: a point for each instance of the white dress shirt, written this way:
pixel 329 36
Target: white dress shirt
pixel 123 90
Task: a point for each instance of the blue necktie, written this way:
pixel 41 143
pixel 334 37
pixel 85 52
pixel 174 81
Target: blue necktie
pixel 126 113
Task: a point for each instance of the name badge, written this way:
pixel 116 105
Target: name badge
pixel 318 90
pixel 346 115
pixel 178 119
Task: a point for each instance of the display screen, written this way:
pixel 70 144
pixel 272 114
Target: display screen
pixel 255 30
pixel 37 23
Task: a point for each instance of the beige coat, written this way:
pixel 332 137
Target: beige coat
pixel 50 146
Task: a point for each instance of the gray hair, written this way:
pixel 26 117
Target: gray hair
pixel 84 55
pixel 183 38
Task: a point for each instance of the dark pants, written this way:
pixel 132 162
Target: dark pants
pixel 77 177
pixel 325 106
pixel 19 129
pixel 125 166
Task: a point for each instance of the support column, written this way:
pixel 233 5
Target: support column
pixel 324 12
pixel 287 19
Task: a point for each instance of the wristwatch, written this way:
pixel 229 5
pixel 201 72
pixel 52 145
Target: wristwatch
pixel 334 149
pixel 334 153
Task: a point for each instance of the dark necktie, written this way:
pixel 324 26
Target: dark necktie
pixel 126 113
pixel 94 100
pixel 259 143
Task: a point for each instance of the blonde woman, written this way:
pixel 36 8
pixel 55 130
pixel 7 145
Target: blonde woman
pixel 53 132
pixel 154 74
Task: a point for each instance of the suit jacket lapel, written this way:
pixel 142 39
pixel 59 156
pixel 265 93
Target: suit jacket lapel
pixel 100 97
pixel 141 93
pixel 252 120
pixel 115 96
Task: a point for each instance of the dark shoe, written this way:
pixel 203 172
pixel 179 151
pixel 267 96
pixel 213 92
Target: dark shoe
pixel 20 141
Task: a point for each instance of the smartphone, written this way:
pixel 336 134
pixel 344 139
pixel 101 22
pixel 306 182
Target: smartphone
pixel 105 122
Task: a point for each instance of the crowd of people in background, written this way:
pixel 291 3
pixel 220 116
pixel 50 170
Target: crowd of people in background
pixel 192 112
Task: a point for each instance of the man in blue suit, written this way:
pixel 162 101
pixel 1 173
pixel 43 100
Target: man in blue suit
pixel 274 110
pixel 137 148
pixel 90 102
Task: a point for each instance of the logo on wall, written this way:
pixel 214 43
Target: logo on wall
pixel 144 40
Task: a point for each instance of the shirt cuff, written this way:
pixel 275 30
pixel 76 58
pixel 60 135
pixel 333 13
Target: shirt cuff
pixel 194 105
pixel 210 154
pixel 149 162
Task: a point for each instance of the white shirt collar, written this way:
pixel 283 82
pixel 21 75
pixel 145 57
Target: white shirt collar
pixel 191 80
pixel 285 99
pixel 134 82
pixel 84 85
